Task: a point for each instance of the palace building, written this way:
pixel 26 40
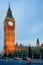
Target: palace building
pixel 9 33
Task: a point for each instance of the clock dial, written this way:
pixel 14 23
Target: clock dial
pixel 10 23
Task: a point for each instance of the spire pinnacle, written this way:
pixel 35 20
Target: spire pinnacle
pixel 9 9
pixel 37 40
pixel 9 12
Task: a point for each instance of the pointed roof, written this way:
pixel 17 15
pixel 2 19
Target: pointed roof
pixel 9 9
pixel 9 12
pixel 37 40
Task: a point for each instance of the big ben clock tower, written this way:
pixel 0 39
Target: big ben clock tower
pixel 9 33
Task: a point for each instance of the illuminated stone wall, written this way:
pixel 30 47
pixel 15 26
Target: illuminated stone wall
pixel 9 33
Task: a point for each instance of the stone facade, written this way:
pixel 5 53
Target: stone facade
pixel 9 33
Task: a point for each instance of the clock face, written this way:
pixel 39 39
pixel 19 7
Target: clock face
pixel 10 23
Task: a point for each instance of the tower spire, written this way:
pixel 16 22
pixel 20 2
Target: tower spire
pixel 9 9
pixel 37 40
pixel 9 12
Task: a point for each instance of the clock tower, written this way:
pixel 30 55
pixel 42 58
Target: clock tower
pixel 9 33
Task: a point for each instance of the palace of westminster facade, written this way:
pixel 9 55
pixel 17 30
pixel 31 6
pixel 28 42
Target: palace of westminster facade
pixel 9 35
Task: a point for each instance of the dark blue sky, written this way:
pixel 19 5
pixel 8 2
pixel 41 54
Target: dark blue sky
pixel 28 15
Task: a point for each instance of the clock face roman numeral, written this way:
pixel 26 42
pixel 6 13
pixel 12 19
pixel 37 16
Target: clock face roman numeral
pixel 10 23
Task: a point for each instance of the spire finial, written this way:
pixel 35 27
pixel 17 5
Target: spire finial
pixel 9 12
pixel 9 5
pixel 9 9
pixel 37 40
